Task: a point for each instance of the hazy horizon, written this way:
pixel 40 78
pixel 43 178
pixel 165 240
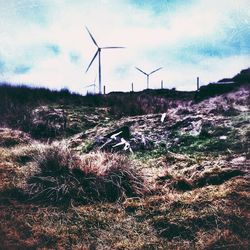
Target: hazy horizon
pixel 45 43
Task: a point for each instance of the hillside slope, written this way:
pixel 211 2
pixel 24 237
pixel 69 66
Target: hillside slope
pixel 182 183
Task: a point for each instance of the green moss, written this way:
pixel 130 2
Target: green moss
pixel 203 143
pixel 147 155
pixel 87 146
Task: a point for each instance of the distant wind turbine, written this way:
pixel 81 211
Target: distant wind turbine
pixel 98 53
pixel 90 85
pixel 148 74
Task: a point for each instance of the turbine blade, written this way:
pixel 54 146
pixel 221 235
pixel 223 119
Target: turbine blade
pixel 155 70
pixel 141 71
pixel 116 47
pixel 92 60
pixel 94 41
pixel 88 86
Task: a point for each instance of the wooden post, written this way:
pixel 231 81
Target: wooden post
pixel 132 87
pixel 104 90
pixel 198 83
pixel 161 84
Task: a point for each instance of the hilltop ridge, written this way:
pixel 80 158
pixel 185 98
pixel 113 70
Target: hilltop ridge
pixel 17 102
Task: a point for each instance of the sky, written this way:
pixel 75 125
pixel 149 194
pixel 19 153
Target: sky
pixel 45 42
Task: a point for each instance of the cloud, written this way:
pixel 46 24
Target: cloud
pixel 187 38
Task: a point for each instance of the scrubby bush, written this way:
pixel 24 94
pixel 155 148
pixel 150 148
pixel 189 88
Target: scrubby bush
pixel 63 177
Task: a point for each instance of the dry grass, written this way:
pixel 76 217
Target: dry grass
pixel 10 138
pixel 207 217
pixel 187 220
pixel 213 176
pixel 63 177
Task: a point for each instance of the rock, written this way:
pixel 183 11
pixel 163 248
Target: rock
pixel 163 116
pixel 186 122
pixel 238 160
pixel 122 140
pixel 223 137
pixel 141 142
pixel 123 132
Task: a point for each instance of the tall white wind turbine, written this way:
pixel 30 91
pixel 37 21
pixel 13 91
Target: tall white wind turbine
pixel 98 53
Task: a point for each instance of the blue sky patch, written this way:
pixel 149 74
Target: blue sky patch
pixel 2 66
pixel 159 6
pixel 74 57
pixel 22 69
pixel 34 11
pixel 55 49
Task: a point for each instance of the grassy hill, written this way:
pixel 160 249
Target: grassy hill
pixel 182 183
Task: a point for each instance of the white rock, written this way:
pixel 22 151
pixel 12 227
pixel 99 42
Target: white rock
pixel 163 116
pixel 223 137
pixel 240 159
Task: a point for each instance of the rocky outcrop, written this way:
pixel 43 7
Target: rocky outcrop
pixel 121 139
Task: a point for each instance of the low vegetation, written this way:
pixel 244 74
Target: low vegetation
pixel 62 177
pixel 189 190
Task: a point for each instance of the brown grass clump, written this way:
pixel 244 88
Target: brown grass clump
pixel 217 176
pixel 211 217
pixel 9 172
pixel 24 154
pixel 225 239
pixel 10 138
pixel 63 177
pixel 174 181
pixel 214 176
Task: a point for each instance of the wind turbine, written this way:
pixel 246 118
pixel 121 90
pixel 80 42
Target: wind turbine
pixel 98 53
pixel 148 74
pixel 90 85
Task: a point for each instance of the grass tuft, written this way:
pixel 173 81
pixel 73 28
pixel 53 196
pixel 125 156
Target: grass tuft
pixel 63 177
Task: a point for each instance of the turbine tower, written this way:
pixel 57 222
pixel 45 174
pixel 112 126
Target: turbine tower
pixel 98 53
pixel 148 74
